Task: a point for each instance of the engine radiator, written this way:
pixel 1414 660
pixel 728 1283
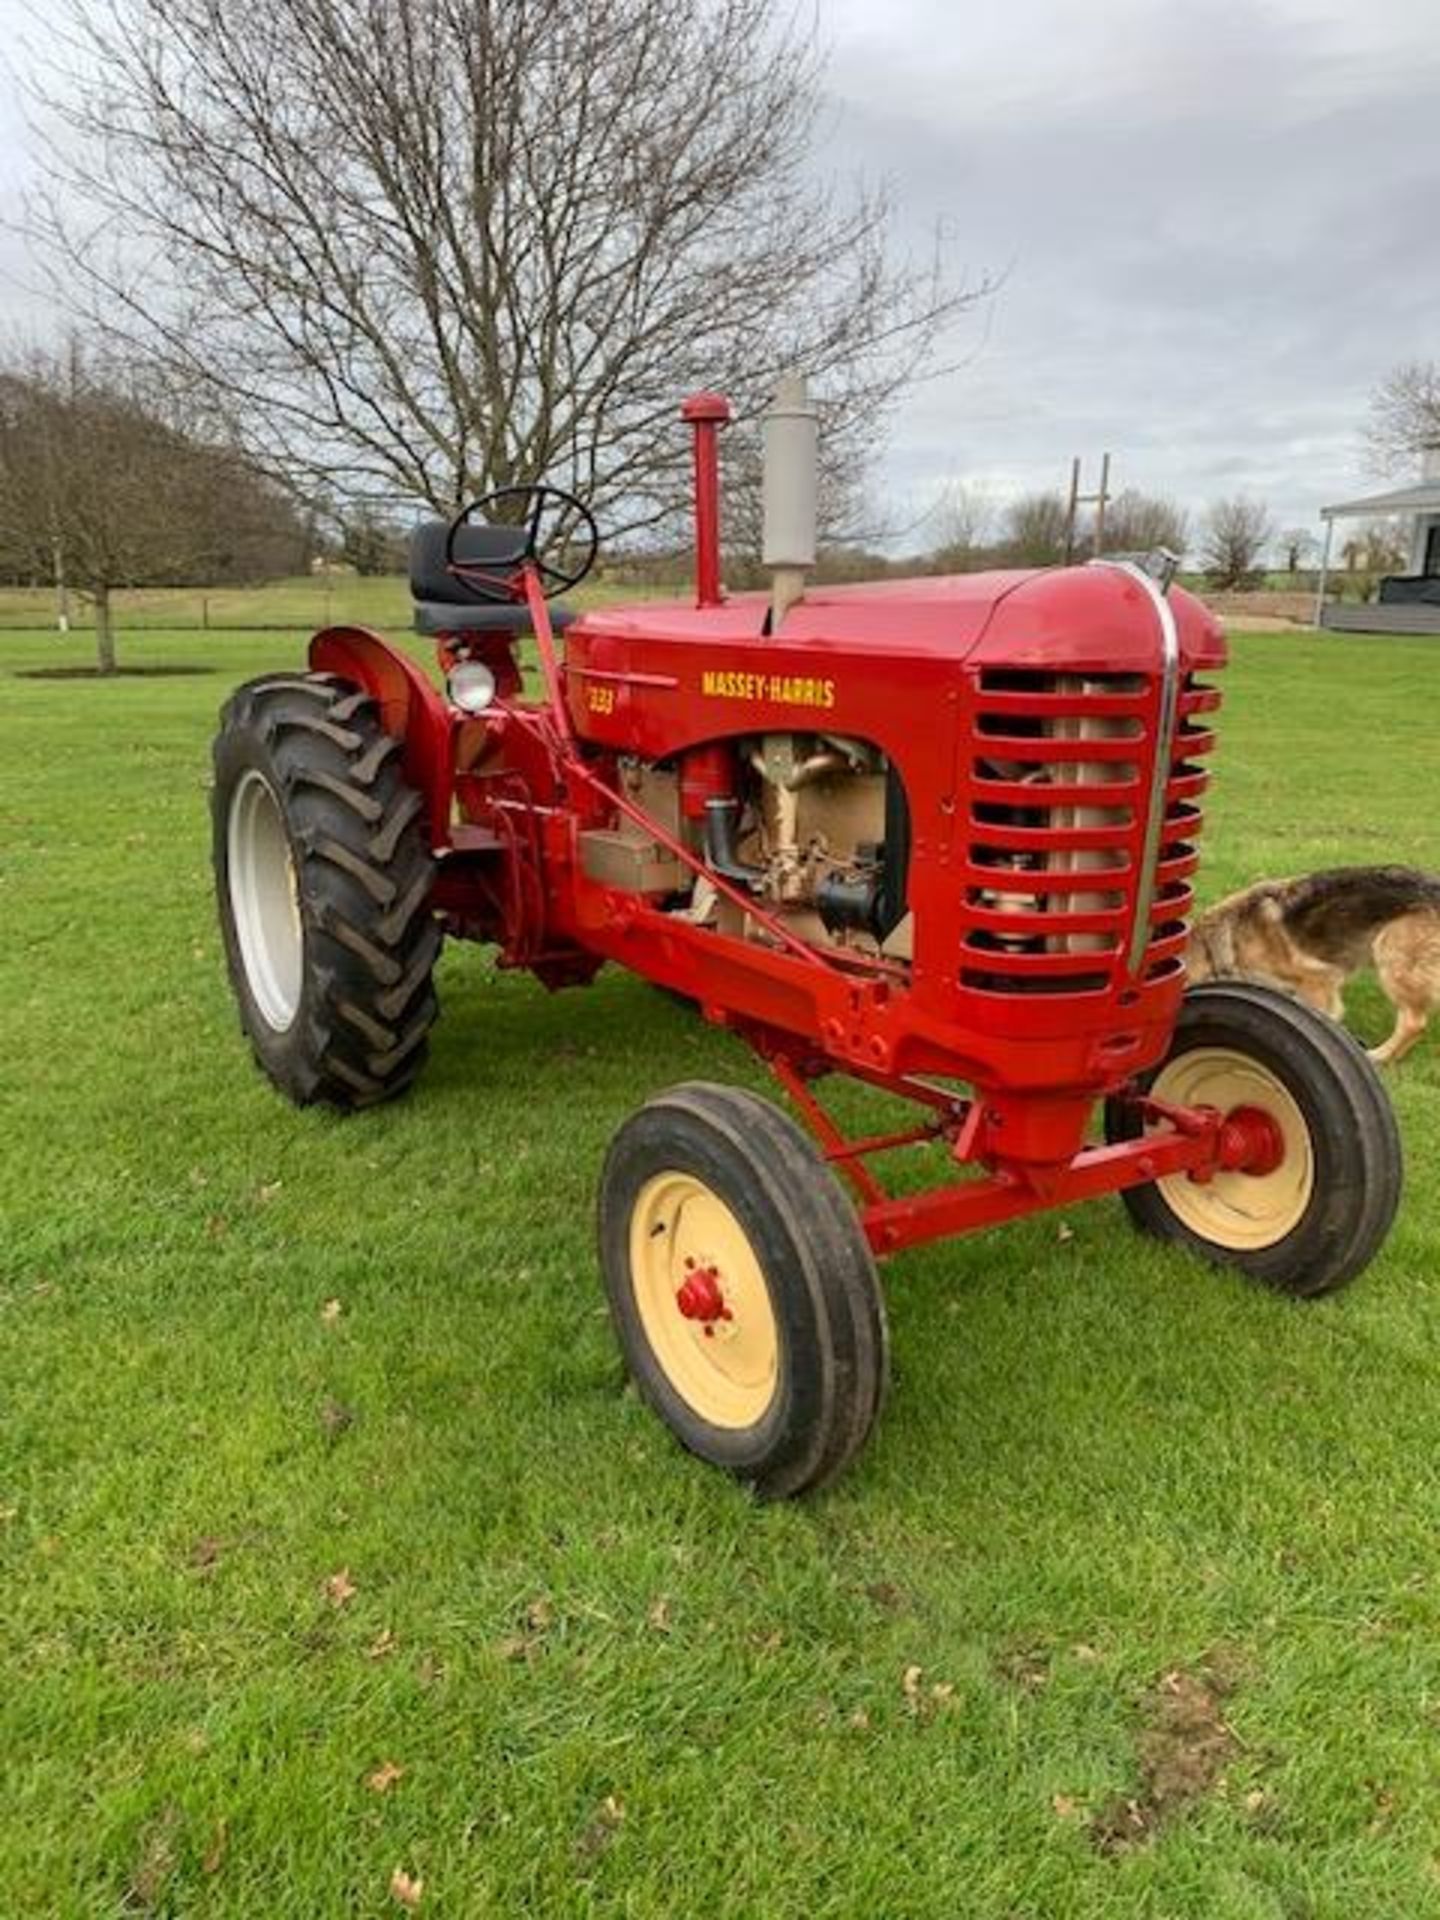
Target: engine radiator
pixel 1060 780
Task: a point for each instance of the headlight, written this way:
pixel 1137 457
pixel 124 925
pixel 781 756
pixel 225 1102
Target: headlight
pixel 471 686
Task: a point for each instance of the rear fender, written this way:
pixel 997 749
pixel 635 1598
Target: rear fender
pixel 410 709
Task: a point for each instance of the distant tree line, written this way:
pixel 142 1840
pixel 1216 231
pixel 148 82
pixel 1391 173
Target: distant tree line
pixel 108 480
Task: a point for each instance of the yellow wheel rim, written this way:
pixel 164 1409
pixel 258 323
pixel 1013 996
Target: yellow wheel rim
pixel 686 1243
pixel 1242 1212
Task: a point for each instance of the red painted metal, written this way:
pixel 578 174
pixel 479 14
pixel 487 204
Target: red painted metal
pixel 706 773
pixel 706 413
pixel 1250 1141
pixel 966 1205
pixel 410 708
pixel 1023 716
pixel 699 1297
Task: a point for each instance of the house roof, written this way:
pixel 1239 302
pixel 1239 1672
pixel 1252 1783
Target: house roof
pixel 1421 498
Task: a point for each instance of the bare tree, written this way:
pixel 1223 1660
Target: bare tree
pixel 433 247
pixel 1034 530
pixel 1299 546
pixel 1138 522
pixel 1405 416
pixel 1377 546
pixel 101 481
pixel 964 524
pixel 1236 534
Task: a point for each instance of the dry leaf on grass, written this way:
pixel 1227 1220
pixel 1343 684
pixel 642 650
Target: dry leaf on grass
pixel 602 1828
pixel 1027 1667
pixel 382 1646
pixel 215 1852
pixel 658 1615
pixel 331 1312
pixel 539 1617
pixel 921 1701
pixel 335 1417
pixel 156 1864
pixel 384 1777
pixel 1065 1806
pixel 267 1191
pixel 340 1589
pixel 407 1891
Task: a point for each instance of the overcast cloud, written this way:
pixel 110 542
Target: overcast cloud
pixel 1216 222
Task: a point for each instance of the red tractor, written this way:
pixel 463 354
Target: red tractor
pixel 935 834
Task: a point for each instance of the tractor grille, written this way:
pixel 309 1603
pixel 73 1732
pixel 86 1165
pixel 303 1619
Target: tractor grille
pixel 1060 773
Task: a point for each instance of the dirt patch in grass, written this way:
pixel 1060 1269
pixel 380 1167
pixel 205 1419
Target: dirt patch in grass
pixel 1182 1749
pixel 120 673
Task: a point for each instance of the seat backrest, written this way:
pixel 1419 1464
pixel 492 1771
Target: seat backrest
pixel 499 548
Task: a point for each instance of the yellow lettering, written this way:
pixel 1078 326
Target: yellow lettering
pixel 786 689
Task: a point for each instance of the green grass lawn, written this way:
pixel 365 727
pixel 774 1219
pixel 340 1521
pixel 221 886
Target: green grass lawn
pixel 331 1541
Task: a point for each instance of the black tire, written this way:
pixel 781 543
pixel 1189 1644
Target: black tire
pixel 1354 1144
pixel 305 755
pixel 832 1345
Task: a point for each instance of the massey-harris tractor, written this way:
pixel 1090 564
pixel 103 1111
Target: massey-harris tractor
pixel 938 835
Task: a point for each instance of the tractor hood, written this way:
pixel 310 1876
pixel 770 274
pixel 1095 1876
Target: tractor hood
pixel 1098 617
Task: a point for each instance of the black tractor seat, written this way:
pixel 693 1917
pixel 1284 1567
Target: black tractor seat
pixel 445 603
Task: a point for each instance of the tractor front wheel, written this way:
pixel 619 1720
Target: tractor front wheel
pixel 323 872
pixel 742 1289
pixel 1317 1208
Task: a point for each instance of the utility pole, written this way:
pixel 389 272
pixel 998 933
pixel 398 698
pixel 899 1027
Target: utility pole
pixel 1099 500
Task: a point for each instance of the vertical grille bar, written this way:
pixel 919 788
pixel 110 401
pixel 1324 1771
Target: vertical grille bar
pixel 1169 707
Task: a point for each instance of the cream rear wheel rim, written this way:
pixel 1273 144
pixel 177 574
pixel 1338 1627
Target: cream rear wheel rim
pixel 1242 1212
pixel 724 1368
pixel 265 900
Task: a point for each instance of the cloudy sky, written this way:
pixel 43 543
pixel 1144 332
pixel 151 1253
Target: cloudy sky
pixel 1216 223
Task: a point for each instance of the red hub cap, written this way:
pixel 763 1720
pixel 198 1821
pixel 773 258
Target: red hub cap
pixel 699 1296
pixel 1250 1142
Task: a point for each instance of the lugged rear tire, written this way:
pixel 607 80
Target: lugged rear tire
pixel 323 874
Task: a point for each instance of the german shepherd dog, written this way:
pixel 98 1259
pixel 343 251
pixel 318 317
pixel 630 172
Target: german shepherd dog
pixel 1309 935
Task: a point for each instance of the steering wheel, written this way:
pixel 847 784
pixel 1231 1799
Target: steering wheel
pixel 553 521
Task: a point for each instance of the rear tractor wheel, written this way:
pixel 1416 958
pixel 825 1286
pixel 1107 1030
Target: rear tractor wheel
pixel 742 1289
pixel 323 870
pixel 1318 1200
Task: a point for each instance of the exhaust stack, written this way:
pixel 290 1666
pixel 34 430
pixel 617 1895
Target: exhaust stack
pixel 790 491
pixel 706 414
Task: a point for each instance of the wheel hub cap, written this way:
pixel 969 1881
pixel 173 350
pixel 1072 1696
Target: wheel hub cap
pixel 702 1300
pixel 1265 1175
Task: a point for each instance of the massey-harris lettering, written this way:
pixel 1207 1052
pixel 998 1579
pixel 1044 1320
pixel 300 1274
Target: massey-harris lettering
pixel 790 690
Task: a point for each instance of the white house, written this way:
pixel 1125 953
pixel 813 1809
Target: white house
pixel 1408 602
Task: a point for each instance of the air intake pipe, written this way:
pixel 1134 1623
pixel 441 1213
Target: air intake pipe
pixel 790 492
